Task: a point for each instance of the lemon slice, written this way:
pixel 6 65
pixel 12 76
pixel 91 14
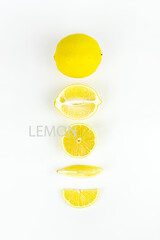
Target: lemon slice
pixel 79 140
pixel 80 198
pixel 77 101
pixel 80 171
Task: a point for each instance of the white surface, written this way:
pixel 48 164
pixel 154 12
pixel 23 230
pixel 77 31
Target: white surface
pixel 127 123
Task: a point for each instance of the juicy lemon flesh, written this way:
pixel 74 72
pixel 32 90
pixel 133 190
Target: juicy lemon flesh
pixel 80 198
pixel 77 101
pixel 78 55
pixel 80 171
pixel 79 141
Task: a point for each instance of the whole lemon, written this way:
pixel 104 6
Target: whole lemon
pixel 78 55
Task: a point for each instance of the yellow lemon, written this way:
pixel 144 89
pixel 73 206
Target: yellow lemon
pixel 78 55
pixel 77 101
pixel 79 198
pixel 80 171
pixel 79 140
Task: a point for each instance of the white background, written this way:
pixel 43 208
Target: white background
pixel 127 123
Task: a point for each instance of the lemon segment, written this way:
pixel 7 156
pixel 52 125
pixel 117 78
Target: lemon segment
pixel 77 101
pixel 78 55
pixel 80 198
pixel 80 171
pixel 79 140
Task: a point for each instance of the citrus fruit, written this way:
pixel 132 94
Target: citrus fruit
pixel 79 140
pixel 80 198
pixel 78 55
pixel 80 171
pixel 77 101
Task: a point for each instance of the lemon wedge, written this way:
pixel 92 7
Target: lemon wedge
pixel 80 198
pixel 79 140
pixel 77 101
pixel 80 171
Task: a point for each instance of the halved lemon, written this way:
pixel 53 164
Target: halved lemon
pixel 80 171
pixel 80 198
pixel 77 101
pixel 79 140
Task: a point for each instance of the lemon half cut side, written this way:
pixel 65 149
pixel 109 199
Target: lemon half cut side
pixel 77 101
pixel 80 198
pixel 79 140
